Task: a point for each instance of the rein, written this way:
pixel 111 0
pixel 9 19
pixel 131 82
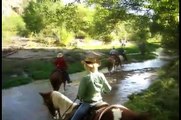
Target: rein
pixel 106 109
pixel 68 108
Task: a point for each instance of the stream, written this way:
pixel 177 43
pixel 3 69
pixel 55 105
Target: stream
pixel 25 103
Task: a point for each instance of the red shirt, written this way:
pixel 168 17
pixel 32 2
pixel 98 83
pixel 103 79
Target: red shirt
pixel 60 63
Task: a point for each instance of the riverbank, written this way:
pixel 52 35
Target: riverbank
pixel 27 65
pixel 161 99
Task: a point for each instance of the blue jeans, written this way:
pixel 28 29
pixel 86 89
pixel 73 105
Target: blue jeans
pixel 81 111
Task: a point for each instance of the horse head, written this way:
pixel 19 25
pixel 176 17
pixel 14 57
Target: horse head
pixel 58 104
pixel 48 102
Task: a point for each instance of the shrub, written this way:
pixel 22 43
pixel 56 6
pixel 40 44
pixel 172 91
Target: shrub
pixel 107 38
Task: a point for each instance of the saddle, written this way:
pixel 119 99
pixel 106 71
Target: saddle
pixel 94 112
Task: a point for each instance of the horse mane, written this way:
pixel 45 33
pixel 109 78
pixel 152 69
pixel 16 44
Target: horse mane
pixel 61 101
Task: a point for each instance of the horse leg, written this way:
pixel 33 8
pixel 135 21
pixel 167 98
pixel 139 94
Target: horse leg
pixel 113 68
pixel 110 69
pixel 117 67
pixel 58 114
pixel 55 85
pixel 64 85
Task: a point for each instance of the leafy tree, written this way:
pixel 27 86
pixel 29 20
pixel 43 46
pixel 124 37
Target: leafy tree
pixel 32 18
pixel 166 22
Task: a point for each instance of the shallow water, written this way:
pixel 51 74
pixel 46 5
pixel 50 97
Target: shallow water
pixel 25 103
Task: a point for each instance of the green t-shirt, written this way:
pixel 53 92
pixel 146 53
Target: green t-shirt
pixel 91 87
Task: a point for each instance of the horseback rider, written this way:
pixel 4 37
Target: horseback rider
pixel 62 66
pixel 114 51
pixel 115 54
pixel 123 53
pixel 91 86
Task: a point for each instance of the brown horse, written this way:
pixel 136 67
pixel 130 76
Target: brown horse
pixel 57 77
pixel 55 101
pixel 114 63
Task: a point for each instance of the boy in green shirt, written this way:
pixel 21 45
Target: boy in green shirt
pixel 91 86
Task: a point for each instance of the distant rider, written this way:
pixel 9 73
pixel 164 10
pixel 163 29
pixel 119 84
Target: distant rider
pixel 62 66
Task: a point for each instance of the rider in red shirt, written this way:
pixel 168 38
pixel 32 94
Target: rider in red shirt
pixel 61 65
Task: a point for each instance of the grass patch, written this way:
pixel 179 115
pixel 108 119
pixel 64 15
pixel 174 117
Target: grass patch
pixel 39 69
pixel 75 67
pixel 11 25
pixel 12 82
pixel 38 75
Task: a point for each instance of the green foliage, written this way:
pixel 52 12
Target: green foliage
pixel 100 23
pixel 85 18
pixel 45 17
pixel 12 82
pixel 38 75
pixel 12 25
pixel 33 18
pixel 65 36
pixel 121 30
pixel 38 68
pixel 81 34
pixel 107 39
pixel 9 68
pixel 74 67
pixel 52 17
pixel 166 22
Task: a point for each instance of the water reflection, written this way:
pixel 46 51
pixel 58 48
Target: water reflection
pixel 138 77
pixel 155 63
pixel 142 75
pixel 133 78
pixel 135 83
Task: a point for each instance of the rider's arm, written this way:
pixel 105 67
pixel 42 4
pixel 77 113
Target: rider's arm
pixel 106 86
pixel 82 89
